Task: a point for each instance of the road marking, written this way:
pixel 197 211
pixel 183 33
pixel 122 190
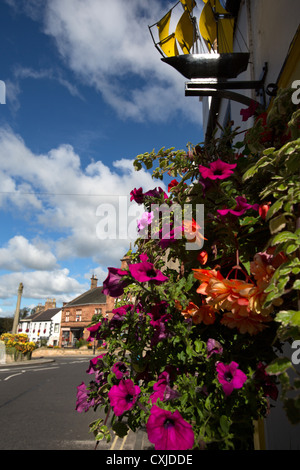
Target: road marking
pixel 124 440
pixel 122 444
pixel 14 375
pixel 114 443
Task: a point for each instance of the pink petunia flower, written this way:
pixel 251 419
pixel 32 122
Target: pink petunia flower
pixel 145 220
pixel 137 195
pixel 217 170
pixel 230 377
pixel 113 284
pixel 145 271
pixel 83 401
pixel 169 431
pixel 123 396
pixel 241 207
pixel 249 112
pixel 162 389
pixel 120 370
pixel 213 347
pixel 94 364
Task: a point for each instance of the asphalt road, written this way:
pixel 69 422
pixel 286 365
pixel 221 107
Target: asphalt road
pixel 37 407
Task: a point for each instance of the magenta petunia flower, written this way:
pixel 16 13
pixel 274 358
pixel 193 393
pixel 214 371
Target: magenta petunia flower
pixel 83 402
pixel 162 389
pixel 94 364
pixel 230 377
pixel 145 271
pixel 156 192
pixel 120 370
pixel 123 396
pixel 217 170
pixel 249 112
pixel 113 284
pixel 169 431
pixel 95 331
pixel 137 195
pixel 241 207
pixel 262 379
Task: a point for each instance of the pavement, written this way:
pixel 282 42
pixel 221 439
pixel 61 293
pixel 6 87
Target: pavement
pixel 31 362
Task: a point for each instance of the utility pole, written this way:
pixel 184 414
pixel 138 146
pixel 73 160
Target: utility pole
pixel 17 312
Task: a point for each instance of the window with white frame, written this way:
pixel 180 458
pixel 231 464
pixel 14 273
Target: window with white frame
pixel 78 315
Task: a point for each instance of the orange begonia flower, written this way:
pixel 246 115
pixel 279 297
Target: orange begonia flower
pixel 203 314
pixel 251 324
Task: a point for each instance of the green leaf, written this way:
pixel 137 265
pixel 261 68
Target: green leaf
pixel 278 366
pixel 295 320
pixel 296 284
pixel 277 224
pixel 225 424
pixel 283 237
pixel 274 208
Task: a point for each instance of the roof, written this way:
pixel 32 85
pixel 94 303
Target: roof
pixel 45 315
pixel 91 297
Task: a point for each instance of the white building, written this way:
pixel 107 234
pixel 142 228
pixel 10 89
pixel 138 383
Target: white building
pixel 43 326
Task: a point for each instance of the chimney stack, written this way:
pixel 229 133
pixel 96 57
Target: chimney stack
pixel 94 282
pixel 50 303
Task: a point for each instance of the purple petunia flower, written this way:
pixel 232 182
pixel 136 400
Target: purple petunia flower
pixel 217 170
pixel 262 379
pixel 123 396
pixel 92 369
pixel 213 347
pixel 113 284
pixel 83 403
pixel 241 207
pixel 119 315
pixel 169 431
pixel 230 377
pixel 156 192
pixel 162 389
pixel 145 272
pixel 137 195
pixel 94 331
pixel 249 112
pixel 120 370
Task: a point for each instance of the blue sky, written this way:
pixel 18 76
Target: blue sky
pixel 86 92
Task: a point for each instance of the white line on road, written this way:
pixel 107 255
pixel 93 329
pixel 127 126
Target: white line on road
pixel 14 375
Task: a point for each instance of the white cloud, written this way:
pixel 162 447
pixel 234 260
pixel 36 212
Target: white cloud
pixel 108 45
pixel 19 253
pixel 41 285
pixel 67 197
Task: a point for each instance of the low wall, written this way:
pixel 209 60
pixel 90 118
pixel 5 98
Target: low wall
pixel 47 352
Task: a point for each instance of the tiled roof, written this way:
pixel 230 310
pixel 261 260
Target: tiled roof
pixel 45 315
pixel 91 297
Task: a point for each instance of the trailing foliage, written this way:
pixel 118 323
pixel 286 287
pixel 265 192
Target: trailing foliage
pixel 194 346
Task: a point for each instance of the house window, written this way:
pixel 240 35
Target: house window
pixel 67 316
pixel 56 328
pixel 98 311
pixel 78 315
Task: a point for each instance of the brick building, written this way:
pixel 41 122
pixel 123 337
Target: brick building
pixel 77 314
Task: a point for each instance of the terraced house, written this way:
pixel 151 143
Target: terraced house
pixel 77 314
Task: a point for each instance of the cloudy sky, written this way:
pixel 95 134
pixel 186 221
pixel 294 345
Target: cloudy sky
pixel 86 92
